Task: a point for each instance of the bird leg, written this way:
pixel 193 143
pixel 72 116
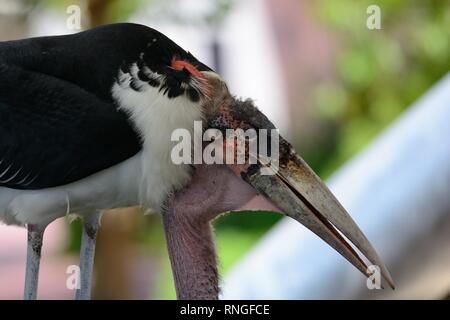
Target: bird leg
pixel 87 253
pixel 34 246
pixel 213 190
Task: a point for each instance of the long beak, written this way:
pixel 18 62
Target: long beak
pixel 292 187
pixel 300 194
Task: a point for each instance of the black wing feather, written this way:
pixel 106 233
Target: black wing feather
pixel 52 132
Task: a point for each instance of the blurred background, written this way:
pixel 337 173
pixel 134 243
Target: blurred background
pixel 327 81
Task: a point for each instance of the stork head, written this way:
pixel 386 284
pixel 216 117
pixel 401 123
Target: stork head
pixel 287 185
pixel 182 89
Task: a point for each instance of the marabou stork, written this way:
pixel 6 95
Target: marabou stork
pixel 85 125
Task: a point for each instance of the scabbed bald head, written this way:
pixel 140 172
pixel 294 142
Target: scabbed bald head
pixel 224 111
pixel 291 186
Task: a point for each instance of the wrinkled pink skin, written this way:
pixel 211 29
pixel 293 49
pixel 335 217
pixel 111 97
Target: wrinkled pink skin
pixel 214 189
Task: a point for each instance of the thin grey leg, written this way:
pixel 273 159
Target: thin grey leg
pixel 87 253
pixel 34 246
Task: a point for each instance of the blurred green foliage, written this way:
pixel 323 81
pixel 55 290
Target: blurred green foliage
pixel 379 73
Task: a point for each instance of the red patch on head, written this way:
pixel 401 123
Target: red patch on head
pixel 180 65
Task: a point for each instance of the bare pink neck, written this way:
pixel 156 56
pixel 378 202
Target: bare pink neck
pixel 214 189
pixel 193 257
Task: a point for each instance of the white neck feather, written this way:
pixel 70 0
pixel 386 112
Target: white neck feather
pixel 155 117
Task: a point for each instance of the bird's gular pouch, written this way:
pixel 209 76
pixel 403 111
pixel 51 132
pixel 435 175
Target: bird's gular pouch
pixel 281 176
